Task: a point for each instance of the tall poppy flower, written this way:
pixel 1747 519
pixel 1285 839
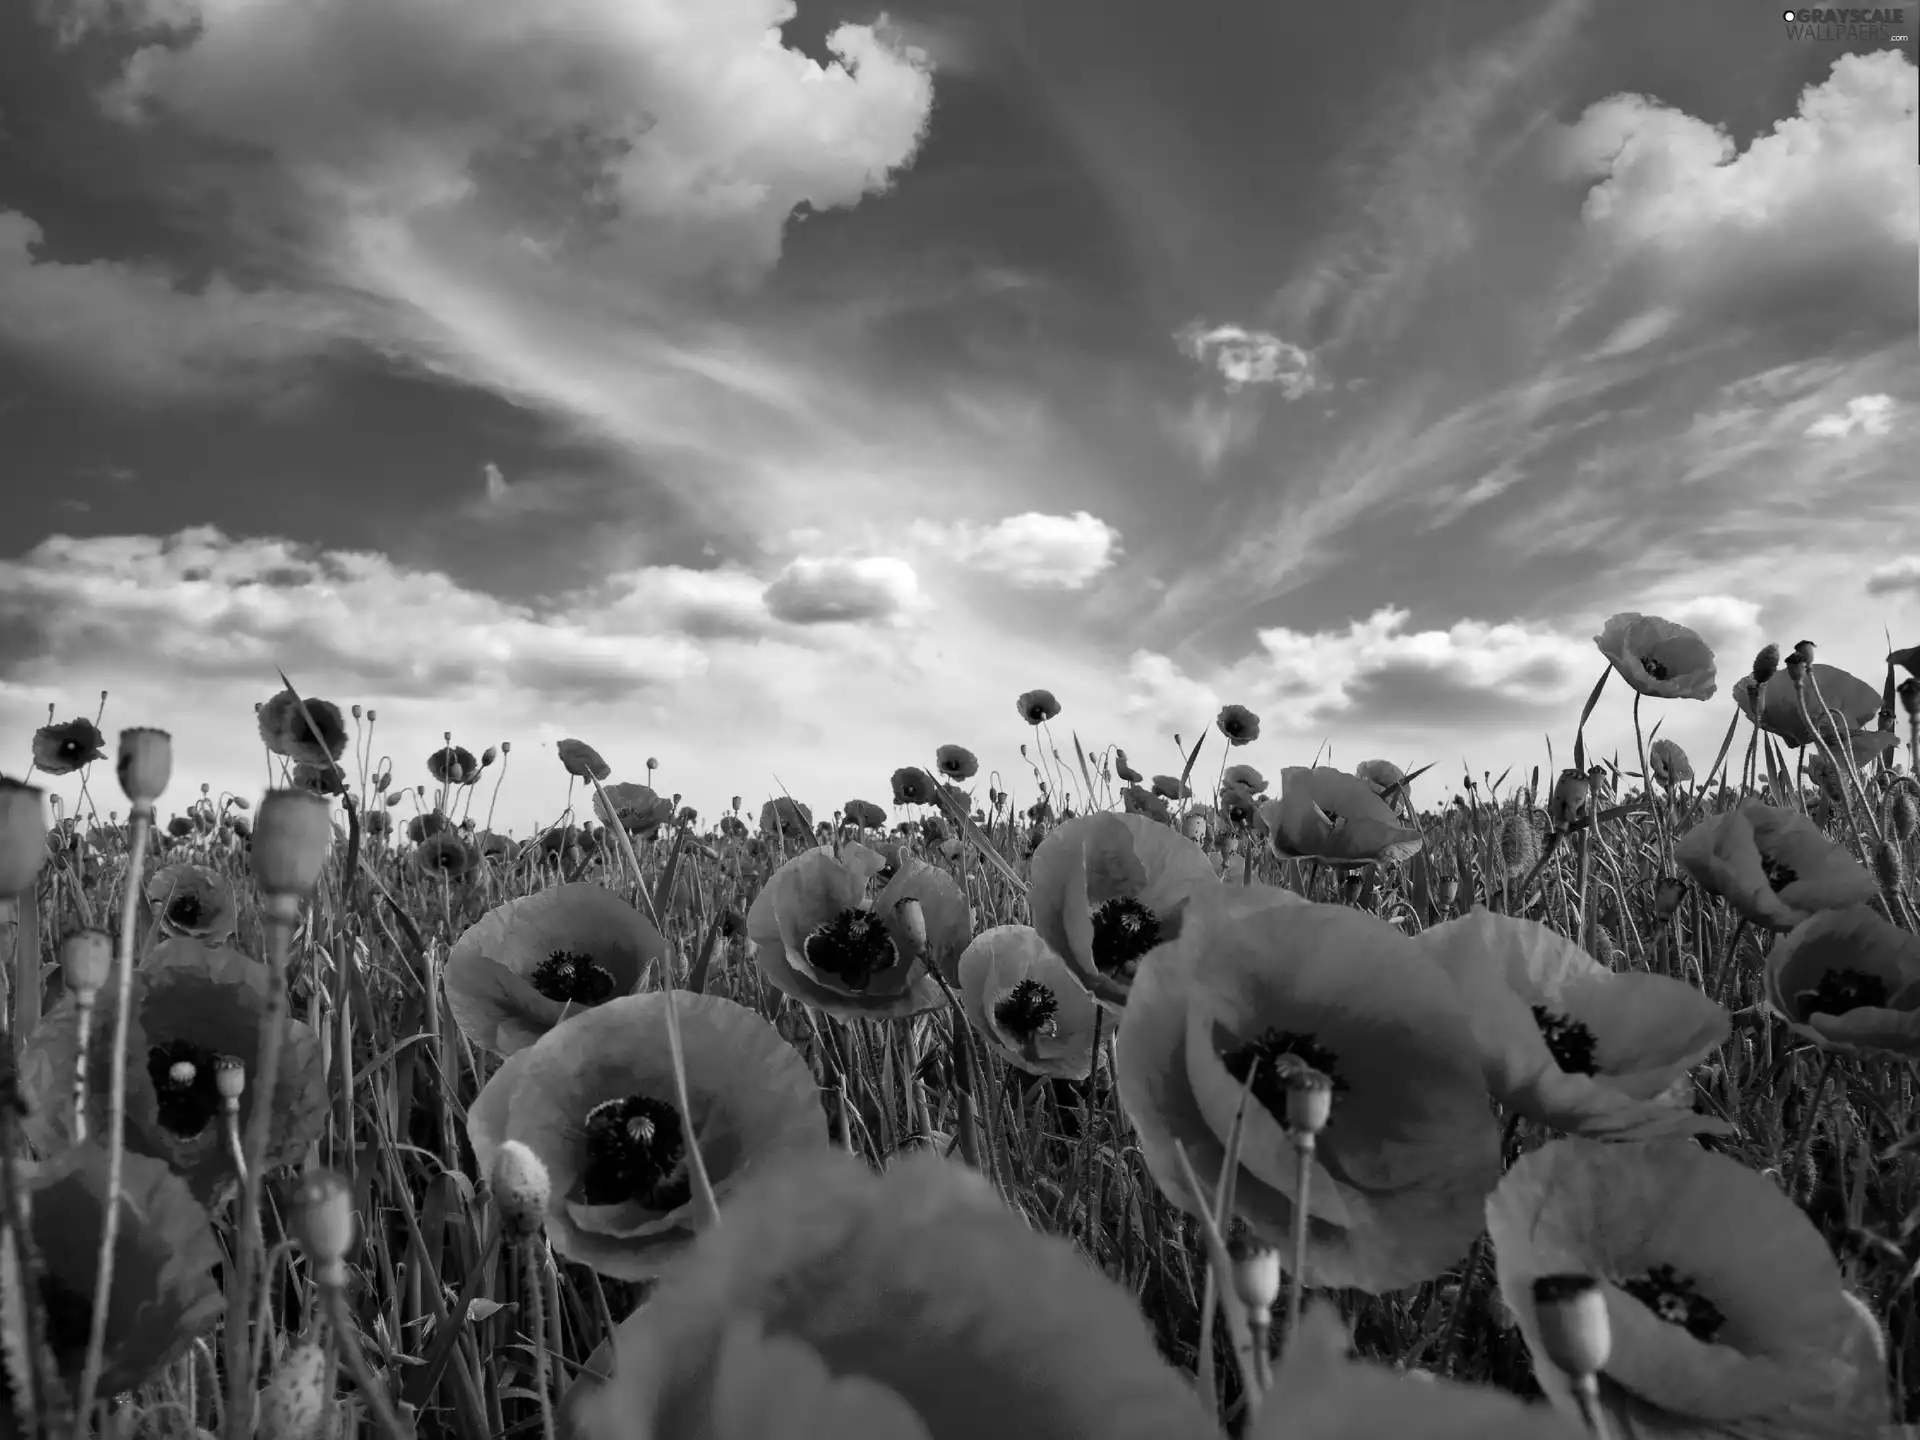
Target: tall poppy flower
pixel 909 1304
pixel 194 1005
pixel 956 762
pixel 819 938
pixel 524 966
pixel 193 901
pixel 1775 707
pixel 164 1253
pixel 1657 657
pixel 67 747
pixel 1022 997
pixel 1566 1041
pixel 1668 763
pixel 1258 979
pixel 1037 706
pixel 635 808
pixel 1106 889
pixel 595 1099
pixel 453 765
pixel 785 815
pixel 284 729
pixel 1725 1304
pixel 1847 980
pixel 1328 815
pixel 913 786
pixel 1772 865
pixel 865 814
pixel 1239 724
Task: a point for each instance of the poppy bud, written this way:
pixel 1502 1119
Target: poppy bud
pixel 323 1224
pixel 370 717
pixel 488 756
pixel 913 921
pixel 355 707
pixel 1195 827
pixel 736 802
pixel 1233 845
pixel 291 838
pixel 1309 1102
pixel 230 1079
pixel 1888 866
pixel 652 764
pixel 1903 814
pixel 1765 663
pixel 1256 1274
pixel 1796 664
pixel 520 1186
pixel 1575 1332
pixel 1909 693
pixel 294 1404
pixel 23 835
pixel 145 765
pixel 86 960
pixel 1444 889
pixel 1668 894
pixel 1571 800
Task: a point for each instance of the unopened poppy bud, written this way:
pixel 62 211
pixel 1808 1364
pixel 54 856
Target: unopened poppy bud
pixel 323 1224
pixel 23 835
pixel 1309 1101
pixel 294 1404
pixel 1889 867
pixel 1796 664
pixel 230 1079
pixel 355 707
pixel 1256 1273
pixel 291 837
pixel 1668 894
pixel 1572 798
pixel 1575 1331
pixel 145 765
pixel 488 756
pixel 1195 827
pixel 1903 814
pixel 913 923
pixel 371 716
pixel 520 1186
pixel 1909 693
pixel 1765 663
pixel 652 764
pixel 86 960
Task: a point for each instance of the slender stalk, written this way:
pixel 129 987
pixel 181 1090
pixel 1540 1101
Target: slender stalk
pixel 536 1305
pixel 386 1421
pixel 1808 1125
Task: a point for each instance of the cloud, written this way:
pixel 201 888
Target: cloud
pixel 1869 414
pixel 1031 551
pixel 824 592
pixel 1249 357
pixel 1209 431
pixel 1895 576
pixel 497 487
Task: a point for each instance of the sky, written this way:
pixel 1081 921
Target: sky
pixel 779 393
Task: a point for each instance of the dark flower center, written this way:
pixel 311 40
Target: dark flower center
pixel 186 911
pixel 853 947
pixel 1123 931
pixel 1778 875
pixel 1840 991
pixel 1279 1053
pixel 636 1150
pixel 1571 1042
pixel 187 1095
pixel 572 979
pixel 68 1316
pixel 1027 1011
pixel 1673 1298
pixel 1332 816
pixel 1654 668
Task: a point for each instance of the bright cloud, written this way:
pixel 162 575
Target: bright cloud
pixel 1249 357
pixel 1895 576
pixel 1868 414
pixel 823 592
pixel 1031 551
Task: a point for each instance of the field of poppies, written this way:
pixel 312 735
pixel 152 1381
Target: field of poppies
pixel 1101 1105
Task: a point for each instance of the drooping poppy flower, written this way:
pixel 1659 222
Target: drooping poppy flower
pixel 582 761
pixel 1328 815
pixel 164 1254
pixel 1259 980
pixel 1239 724
pixel 818 937
pixel 905 1306
pixel 1022 997
pixel 1668 763
pixel 1777 708
pixel 194 1006
pixel 1125 771
pixel 284 729
pixel 913 786
pixel 957 762
pixel 1245 777
pixel 1384 776
pixel 865 814
pixel 1136 801
pixel 67 747
pixel 785 815
pixel 1772 865
pixel 1657 657
pixel 1726 1307
pixel 595 1099
pixel 1569 1043
pixel 453 765
pixel 635 808
pixel 193 901
pixel 1106 889
pixel 1171 787
pixel 1849 981
pixel 524 966
pixel 1036 707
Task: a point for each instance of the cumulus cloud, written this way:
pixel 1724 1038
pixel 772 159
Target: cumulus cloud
pixel 1249 357
pixel 1868 414
pixel 1032 551
pixel 1895 576
pixel 835 591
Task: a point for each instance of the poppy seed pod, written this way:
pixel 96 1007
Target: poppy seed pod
pixel 1575 1331
pixel 294 1405
pixel 86 960
pixel 291 837
pixel 1571 801
pixel 1309 1101
pixel 323 1224
pixel 230 1079
pixel 1256 1272
pixel 145 764
pixel 23 835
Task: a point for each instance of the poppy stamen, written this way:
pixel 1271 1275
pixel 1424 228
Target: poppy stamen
pixel 1123 931
pixel 1278 1053
pixel 1654 668
pixel 636 1150
pixel 1571 1042
pixel 1674 1299
pixel 1840 991
pixel 572 978
pixel 186 911
pixel 186 1092
pixel 853 947
pixel 1778 876
pixel 1333 818
pixel 1027 1011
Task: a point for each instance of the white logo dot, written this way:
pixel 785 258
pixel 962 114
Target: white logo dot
pixel 1787 16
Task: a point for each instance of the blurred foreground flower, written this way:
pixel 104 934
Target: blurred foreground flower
pixel 906 1306
pixel 1726 1306
pixel 1849 981
pixel 1022 997
pixel 524 966
pixel 594 1100
pixel 193 901
pixel 67 747
pixel 284 729
pixel 1775 708
pixel 1261 978
pixel 1772 865
pixel 1657 657
pixel 1338 819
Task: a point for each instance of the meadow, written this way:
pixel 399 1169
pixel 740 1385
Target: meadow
pixel 1091 1103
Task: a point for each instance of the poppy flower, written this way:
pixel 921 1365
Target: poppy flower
pixel 318 779
pixel 193 1006
pixel 1106 889
pixel 1328 815
pixel 522 967
pixel 1136 801
pixel 1239 724
pixel 420 827
pixel 1022 997
pixel 164 1253
pixel 1772 865
pixel 818 937
pixel 595 1099
pixel 1171 787
pixel 1245 777
pixel 1566 1041
pixel 1239 804
pixel 1125 771
pixel 453 765
pixel 1847 980
pixel 913 786
pixel 446 856
pixel 1383 775
pixel 785 815
pixel 834 1301
pixel 193 901
pixel 1775 707
pixel 374 822
pixel 1657 657
pixel 1037 706
pixel 284 729
pixel 1725 1304
pixel 865 814
pixel 1668 763
pixel 732 826
pixel 956 762
pixel 635 808
pixel 582 761
pixel 1259 979
pixel 65 748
